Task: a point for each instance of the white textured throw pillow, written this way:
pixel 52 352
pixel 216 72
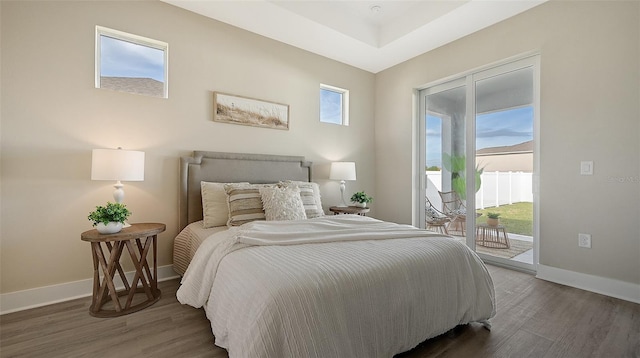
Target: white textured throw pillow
pixel 282 203
pixel 310 195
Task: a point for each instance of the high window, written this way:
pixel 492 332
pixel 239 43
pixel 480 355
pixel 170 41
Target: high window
pixel 131 63
pixel 334 105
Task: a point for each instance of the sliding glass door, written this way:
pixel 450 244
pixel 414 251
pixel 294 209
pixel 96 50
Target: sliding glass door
pixel 477 160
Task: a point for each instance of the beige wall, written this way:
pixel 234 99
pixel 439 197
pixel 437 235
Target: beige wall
pixel 52 116
pixel 590 91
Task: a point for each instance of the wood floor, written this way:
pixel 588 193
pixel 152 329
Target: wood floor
pixel 535 318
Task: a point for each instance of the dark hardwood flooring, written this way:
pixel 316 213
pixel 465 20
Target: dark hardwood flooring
pixel 535 318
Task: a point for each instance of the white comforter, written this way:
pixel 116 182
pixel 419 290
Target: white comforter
pixel 335 286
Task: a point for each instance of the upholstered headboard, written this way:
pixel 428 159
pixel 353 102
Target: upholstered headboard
pixel 230 168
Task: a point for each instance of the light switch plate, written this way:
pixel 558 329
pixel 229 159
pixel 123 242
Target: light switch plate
pixel 586 168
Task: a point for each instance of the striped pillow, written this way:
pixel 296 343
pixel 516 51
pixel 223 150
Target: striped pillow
pixel 310 195
pixel 245 203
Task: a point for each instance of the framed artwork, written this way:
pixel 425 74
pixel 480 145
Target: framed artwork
pixel 228 108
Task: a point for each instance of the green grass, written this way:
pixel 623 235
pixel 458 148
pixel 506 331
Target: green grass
pixel 516 218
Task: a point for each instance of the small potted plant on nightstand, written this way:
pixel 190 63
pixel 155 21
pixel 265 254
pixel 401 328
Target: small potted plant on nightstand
pixel 361 199
pixel 109 219
pixel 493 219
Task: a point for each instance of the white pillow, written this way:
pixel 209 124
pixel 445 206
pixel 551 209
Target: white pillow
pixel 282 203
pixel 310 195
pixel 215 210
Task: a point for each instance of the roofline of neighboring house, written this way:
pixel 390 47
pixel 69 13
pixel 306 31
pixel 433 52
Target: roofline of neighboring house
pixel 503 153
pixel 520 148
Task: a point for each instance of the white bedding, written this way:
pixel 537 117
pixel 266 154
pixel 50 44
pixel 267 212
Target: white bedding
pixel 270 293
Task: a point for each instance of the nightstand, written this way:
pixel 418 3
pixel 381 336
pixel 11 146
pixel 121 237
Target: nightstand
pixel 336 210
pixel 139 240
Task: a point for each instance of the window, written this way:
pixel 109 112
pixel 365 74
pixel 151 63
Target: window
pixel 131 63
pixel 334 105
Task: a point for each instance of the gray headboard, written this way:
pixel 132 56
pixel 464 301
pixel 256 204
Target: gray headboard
pixel 230 168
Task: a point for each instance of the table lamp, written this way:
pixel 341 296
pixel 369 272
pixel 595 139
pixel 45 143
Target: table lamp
pixel 342 171
pixel 119 165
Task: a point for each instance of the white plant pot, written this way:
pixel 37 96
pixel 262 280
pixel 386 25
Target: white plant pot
pixel 110 228
pixel 361 205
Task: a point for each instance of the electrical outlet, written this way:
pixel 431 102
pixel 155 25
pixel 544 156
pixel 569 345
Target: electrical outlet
pixel 584 240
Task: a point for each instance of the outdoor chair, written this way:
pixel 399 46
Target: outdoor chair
pixel 455 210
pixel 436 220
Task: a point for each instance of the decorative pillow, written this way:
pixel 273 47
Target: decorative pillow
pixel 432 214
pixel 215 211
pixel 245 203
pixel 310 195
pixel 282 203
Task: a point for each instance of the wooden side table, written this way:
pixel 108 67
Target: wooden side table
pixel 489 236
pixel 336 210
pixel 139 239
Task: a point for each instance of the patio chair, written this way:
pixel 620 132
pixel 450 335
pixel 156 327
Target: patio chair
pixel 436 220
pixel 455 210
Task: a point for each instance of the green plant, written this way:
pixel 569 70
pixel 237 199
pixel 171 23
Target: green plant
pixel 115 212
pixel 361 197
pixel 492 215
pixel 457 166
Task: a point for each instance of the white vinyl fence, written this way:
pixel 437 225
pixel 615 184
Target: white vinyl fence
pixel 497 188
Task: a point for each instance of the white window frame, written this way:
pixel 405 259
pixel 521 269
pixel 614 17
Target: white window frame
pixel 470 78
pixel 136 39
pixel 345 102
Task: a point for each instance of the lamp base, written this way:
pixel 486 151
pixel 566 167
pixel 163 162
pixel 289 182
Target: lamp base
pixel 118 194
pixel 342 204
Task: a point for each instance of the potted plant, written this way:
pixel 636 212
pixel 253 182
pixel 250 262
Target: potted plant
pixel 361 199
pixel 457 166
pixel 109 219
pixel 493 219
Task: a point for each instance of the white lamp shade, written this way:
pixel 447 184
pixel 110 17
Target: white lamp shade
pixel 117 164
pixel 343 171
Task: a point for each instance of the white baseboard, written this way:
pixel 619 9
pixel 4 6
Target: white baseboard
pixel 42 296
pixel 606 286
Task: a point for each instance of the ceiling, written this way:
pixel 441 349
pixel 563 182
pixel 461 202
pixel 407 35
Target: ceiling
pixel 369 34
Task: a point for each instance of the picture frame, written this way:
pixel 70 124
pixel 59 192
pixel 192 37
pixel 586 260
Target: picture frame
pixel 247 111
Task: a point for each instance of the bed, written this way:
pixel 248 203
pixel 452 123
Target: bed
pixel 316 286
